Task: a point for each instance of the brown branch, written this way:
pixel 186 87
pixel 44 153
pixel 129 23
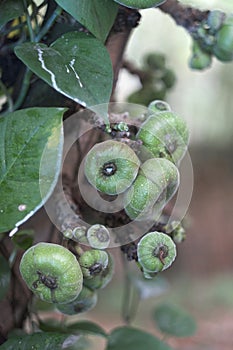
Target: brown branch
pixel 185 16
pixel 126 20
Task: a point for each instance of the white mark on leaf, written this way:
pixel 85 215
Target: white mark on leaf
pixel 71 64
pixel 53 77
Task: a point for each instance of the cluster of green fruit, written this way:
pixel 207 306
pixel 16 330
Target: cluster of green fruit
pixel 147 180
pixel 214 37
pixel 156 79
pixel 55 275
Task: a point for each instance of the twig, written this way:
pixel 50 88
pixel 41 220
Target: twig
pixel 24 89
pixel 48 24
pixel 185 16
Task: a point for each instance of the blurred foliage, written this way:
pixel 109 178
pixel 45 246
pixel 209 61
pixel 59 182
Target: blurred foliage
pixel 155 77
pixel 202 98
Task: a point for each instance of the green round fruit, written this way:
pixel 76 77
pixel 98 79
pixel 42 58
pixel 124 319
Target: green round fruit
pixel 165 135
pixel 156 183
pixel 200 59
pixel 155 61
pixel 111 167
pixel 93 262
pixel 223 48
pixel 140 4
pixel 215 20
pixel 52 272
pixel 101 278
pixel 156 252
pixel 85 301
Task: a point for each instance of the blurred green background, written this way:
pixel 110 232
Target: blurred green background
pixel 203 99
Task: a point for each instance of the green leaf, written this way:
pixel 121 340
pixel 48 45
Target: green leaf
pixel 52 325
pixel 25 136
pixel 5 275
pixel 140 4
pixel 80 327
pixel 86 327
pixel 97 15
pixel 10 9
pixel 173 320
pixel 38 341
pixel 76 65
pixel 134 339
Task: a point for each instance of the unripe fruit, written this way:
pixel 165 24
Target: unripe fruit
pixel 85 301
pixel 92 262
pixel 156 252
pixel 52 272
pixel 156 183
pixel 215 20
pixel 165 135
pixel 111 167
pixel 200 59
pixel 223 48
pixel 155 61
pixel 101 278
pixel 168 78
pixel 140 4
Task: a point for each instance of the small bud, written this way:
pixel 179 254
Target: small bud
pixel 98 236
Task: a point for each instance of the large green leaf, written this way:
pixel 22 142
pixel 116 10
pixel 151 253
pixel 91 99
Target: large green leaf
pixel 24 137
pixel 5 274
pixel 140 4
pixel 45 341
pixel 76 65
pixel 134 339
pixel 96 15
pixel 10 9
pixel 173 320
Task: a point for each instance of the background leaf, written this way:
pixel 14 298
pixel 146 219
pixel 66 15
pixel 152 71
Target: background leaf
pixel 148 288
pixel 45 341
pixel 86 327
pixel 10 9
pixel 97 15
pixel 80 327
pixel 134 339
pixel 5 275
pixel 24 135
pixel 76 65
pixel 173 320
